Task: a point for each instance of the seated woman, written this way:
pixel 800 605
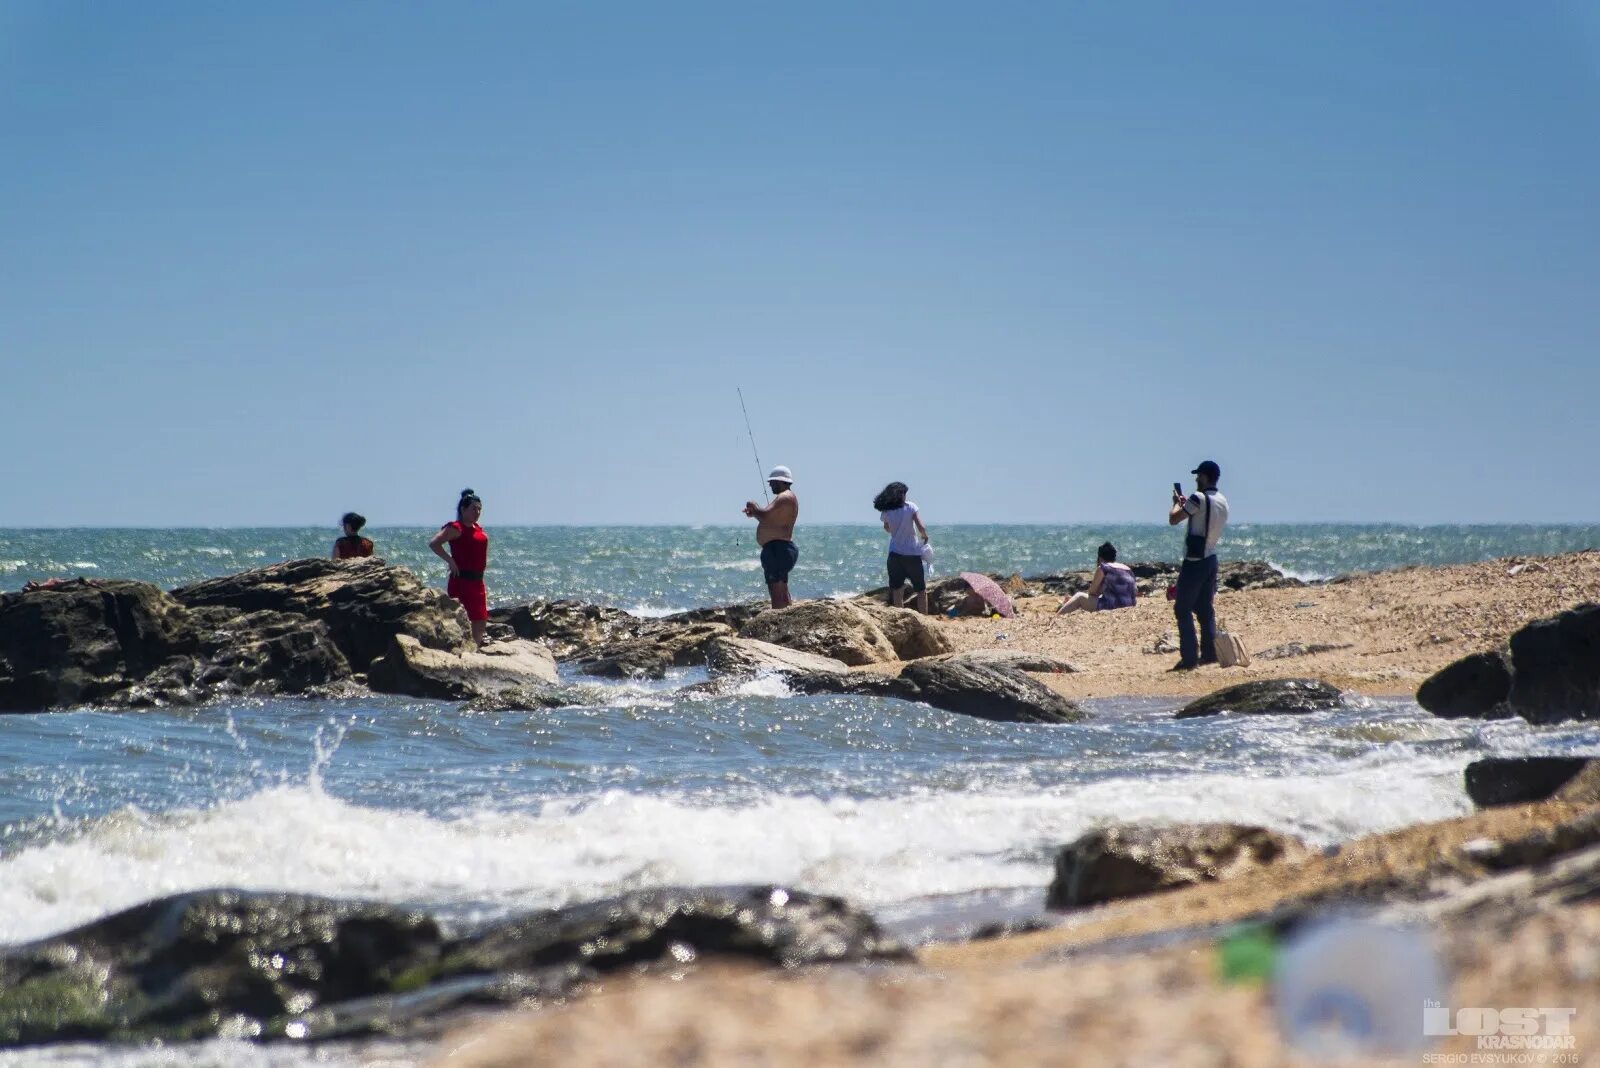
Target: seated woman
pixel 1113 586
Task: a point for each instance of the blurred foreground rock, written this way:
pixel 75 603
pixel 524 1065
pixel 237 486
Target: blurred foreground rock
pixel 230 963
pixel 1130 861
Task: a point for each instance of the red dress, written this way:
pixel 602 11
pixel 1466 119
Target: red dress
pixel 470 551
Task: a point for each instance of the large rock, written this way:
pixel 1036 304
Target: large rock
pixel 1555 667
pixel 1267 697
pixel 766 923
pixel 127 644
pixel 1474 687
pixel 1519 780
pixel 1129 861
pixel 1549 672
pixel 364 603
pixel 411 668
pixel 912 634
pixel 271 965
pixel 985 691
pixel 742 658
pixel 652 652
pixel 840 630
pixel 1016 659
pixel 244 653
pixel 731 615
pixel 568 627
pixel 83 641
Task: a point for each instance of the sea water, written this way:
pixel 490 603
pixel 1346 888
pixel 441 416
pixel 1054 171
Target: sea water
pixel 923 817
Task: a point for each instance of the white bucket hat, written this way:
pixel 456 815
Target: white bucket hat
pixel 780 474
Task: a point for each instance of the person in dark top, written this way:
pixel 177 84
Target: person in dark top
pixel 1206 513
pixel 1113 586
pixel 352 545
pixel 468 559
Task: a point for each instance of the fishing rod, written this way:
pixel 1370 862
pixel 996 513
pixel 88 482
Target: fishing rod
pixel 753 452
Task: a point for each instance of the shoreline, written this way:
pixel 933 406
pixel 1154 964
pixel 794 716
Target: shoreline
pixel 1136 981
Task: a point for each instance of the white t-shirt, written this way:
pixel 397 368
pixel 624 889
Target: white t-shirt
pixel 1195 505
pixel 902 531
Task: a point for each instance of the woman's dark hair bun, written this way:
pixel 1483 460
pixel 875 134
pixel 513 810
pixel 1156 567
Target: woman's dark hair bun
pixel 468 492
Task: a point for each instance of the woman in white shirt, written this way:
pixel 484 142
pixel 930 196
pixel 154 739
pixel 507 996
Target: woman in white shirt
pixel 907 536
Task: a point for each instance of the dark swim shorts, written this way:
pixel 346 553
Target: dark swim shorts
pixel 903 569
pixel 777 560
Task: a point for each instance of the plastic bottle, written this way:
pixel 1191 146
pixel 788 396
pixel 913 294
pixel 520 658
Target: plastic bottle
pixel 1349 989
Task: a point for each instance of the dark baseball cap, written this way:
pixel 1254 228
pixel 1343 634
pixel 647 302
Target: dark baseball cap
pixel 1208 467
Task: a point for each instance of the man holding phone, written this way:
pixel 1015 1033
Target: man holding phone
pixel 1206 511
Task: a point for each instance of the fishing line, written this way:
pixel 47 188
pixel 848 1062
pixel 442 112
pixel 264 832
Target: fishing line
pixel 753 452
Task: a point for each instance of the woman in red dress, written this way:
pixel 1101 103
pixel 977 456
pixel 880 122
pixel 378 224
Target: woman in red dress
pixel 468 559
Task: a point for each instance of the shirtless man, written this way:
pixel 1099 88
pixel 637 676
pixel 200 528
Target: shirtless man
pixel 775 533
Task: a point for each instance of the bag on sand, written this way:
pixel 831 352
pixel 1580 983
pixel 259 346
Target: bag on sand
pixel 1231 651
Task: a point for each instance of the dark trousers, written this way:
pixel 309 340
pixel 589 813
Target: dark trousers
pixel 1197 589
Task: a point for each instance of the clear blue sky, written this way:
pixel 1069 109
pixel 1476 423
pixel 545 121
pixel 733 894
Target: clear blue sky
pixel 263 263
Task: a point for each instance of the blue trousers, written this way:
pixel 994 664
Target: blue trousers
pixel 1197 589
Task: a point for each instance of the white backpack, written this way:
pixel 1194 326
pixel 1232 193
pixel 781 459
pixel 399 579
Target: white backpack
pixel 1231 651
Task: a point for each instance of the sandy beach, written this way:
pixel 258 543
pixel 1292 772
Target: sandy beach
pixel 1391 629
pixel 1137 981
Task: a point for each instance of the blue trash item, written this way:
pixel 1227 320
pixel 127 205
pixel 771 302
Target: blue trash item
pixel 1347 989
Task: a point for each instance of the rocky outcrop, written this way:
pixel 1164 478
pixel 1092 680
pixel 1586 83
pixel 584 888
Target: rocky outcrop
pixel 1474 687
pixel 1549 672
pixel 413 669
pixel 1520 780
pixel 652 652
pixel 742 658
pixel 567 627
pixel 985 691
pixel 1129 861
pixel 128 644
pixel 1267 697
pixel 84 641
pixel 839 630
pixel 729 615
pixel 968 687
pixel 271 965
pixel 911 634
pixel 291 628
pixel 1153 577
pixel 1016 659
pixel 363 603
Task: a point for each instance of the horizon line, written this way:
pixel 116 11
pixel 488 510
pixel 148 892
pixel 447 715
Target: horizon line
pixel 816 523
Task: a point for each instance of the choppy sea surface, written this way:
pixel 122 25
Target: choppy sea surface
pixel 919 815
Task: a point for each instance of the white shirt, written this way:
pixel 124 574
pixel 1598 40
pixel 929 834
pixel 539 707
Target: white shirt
pixel 1195 505
pixel 902 531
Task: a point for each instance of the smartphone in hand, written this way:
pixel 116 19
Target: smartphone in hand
pixel 1177 490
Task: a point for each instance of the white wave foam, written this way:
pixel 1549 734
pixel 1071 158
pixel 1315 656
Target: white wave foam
pixel 1303 576
pixel 650 611
pixel 878 852
pixel 89 564
pixel 765 684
